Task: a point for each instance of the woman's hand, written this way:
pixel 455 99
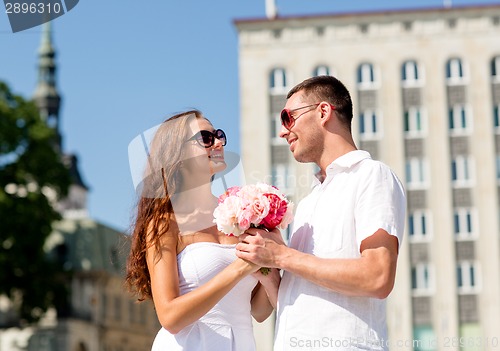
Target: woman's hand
pixel 245 266
pixel 270 283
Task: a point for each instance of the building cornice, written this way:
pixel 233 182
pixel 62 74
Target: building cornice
pixel 366 15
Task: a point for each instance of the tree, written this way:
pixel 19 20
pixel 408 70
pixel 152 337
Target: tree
pixel 32 178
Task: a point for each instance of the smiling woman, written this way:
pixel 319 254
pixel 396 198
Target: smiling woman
pixel 203 294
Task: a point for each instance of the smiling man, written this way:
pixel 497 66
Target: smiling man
pixel 340 264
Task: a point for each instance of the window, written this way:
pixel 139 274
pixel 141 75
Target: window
pixel 424 339
pixel 461 171
pixel 287 232
pixel 419 225
pixel 459 120
pixel 132 312
pixel 416 173
pixel 467 276
pixel 496 118
pixel 315 168
pixel 414 122
pixel 283 178
pixel 278 81
pixel 104 306
pixel 81 347
pixel 321 70
pixel 464 224
pixel 118 308
pixel 422 279
pixel 369 125
pixel 498 167
pixel 495 69
pixel 366 76
pixel 143 311
pixel 455 71
pixel 275 130
pixel 411 74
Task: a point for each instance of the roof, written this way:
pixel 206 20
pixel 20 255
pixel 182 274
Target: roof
pixel 71 161
pixel 84 245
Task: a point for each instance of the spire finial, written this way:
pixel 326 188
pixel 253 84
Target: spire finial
pixel 46 42
pixel 271 9
pixel 46 96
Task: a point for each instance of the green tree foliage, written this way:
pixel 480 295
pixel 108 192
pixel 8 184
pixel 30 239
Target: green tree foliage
pixel 32 178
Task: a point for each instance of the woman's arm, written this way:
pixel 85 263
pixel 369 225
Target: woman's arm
pixel 265 294
pixel 174 311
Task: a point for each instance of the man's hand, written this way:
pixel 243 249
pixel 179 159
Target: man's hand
pixel 261 247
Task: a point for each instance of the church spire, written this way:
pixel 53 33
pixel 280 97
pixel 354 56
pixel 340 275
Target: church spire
pixel 48 102
pixel 46 96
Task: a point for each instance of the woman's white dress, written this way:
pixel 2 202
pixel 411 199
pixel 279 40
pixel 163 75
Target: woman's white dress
pixel 228 325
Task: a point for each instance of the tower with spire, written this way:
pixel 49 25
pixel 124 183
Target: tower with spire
pixel 46 95
pixel 48 101
pixel 100 314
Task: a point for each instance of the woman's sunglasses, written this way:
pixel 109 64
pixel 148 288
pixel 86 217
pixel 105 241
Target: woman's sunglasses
pixel 288 121
pixel 206 138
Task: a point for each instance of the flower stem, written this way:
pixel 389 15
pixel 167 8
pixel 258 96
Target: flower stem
pixel 265 270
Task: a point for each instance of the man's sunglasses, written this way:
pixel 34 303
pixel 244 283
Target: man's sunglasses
pixel 288 121
pixel 206 138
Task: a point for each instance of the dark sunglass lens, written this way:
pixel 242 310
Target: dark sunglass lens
pixel 207 138
pixel 219 134
pixel 286 119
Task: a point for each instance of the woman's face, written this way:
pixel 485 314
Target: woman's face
pixel 199 158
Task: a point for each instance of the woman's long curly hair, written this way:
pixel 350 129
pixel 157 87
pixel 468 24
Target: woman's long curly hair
pixel 154 209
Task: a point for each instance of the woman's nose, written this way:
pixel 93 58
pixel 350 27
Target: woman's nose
pixel 218 143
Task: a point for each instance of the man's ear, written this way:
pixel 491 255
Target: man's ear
pixel 326 112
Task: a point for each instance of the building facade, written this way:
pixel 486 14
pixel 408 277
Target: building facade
pixel 425 85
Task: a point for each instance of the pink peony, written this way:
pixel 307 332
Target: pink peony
pixel 226 214
pixel 288 217
pixel 259 205
pixel 277 209
pixel 229 192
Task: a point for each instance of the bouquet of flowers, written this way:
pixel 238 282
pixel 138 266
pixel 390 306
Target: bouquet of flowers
pixel 260 206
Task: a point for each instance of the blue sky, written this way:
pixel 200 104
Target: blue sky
pixel 124 66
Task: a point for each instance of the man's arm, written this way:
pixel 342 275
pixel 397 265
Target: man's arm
pixel 371 275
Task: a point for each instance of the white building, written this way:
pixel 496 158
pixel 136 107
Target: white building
pixel 425 85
